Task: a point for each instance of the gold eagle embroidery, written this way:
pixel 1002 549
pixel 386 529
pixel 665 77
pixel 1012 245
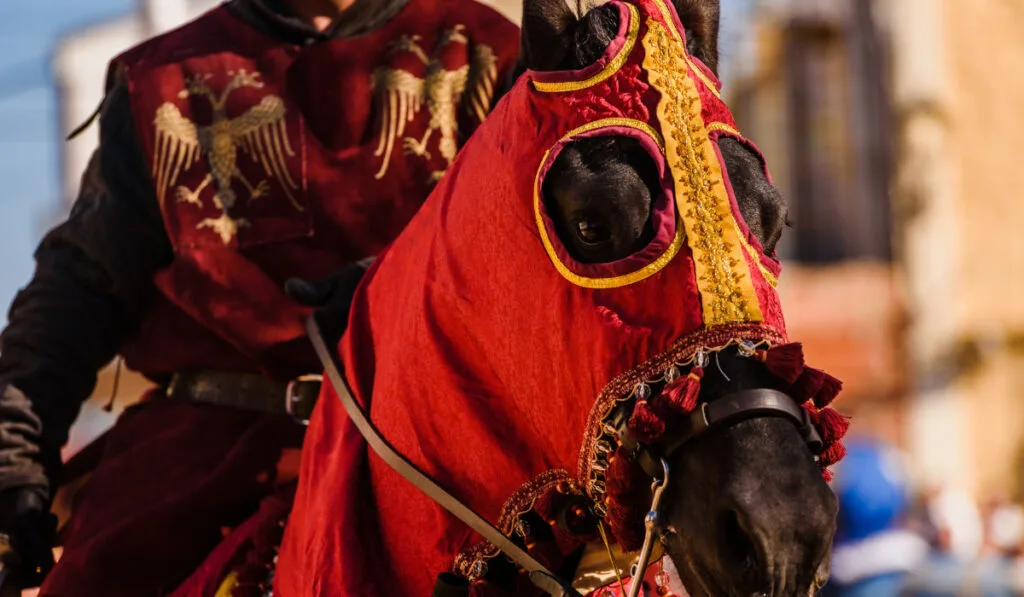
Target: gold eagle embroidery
pixel 402 95
pixel 260 132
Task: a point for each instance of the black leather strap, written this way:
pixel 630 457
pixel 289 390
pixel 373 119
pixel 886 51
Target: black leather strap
pixel 728 410
pixel 248 391
pixel 747 404
pixel 541 577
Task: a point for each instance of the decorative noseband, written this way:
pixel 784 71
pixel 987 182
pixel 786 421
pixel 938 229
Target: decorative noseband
pixel 729 410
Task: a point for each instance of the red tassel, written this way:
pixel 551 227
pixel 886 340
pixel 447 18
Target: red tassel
pixel 645 424
pixel 684 394
pixel 808 384
pixel 833 454
pixel 811 411
pixel 785 361
pixel 625 492
pixel 833 425
pixel 830 388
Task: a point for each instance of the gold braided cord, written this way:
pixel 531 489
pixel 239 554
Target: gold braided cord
pixel 721 126
pixel 755 255
pixel 611 557
pixel 769 277
pixel 613 66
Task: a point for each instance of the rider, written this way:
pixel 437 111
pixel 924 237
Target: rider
pixel 266 140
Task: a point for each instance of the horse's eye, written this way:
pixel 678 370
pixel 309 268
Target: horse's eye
pixel 592 233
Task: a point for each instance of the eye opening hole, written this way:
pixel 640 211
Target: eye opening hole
pixel 600 193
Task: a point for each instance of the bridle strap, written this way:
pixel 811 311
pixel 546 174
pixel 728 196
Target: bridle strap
pixel 540 576
pixel 729 410
pixel 748 404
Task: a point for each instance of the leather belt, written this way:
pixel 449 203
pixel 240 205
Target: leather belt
pixel 248 391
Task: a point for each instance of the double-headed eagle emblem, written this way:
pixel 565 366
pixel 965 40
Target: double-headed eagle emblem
pixel 260 132
pixel 402 95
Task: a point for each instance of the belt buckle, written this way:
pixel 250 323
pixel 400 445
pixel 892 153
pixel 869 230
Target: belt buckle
pixel 291 399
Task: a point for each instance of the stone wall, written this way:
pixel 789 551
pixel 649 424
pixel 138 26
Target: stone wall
pixel 987 132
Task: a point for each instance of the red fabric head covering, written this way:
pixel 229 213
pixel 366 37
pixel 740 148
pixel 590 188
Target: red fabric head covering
pixel 489 357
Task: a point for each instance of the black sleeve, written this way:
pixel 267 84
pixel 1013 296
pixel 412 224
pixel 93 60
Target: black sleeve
pixel 92 284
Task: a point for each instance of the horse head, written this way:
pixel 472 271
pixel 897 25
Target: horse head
pixel 749 509
pixel 582 321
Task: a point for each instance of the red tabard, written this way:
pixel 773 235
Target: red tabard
pixel 273 160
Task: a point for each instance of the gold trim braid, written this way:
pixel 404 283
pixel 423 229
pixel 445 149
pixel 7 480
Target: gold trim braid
pixel 471 562
pixel 723 275
pixel 754 254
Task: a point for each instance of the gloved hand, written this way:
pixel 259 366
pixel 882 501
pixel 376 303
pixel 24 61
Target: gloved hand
pixel 331 296
pixel 27 534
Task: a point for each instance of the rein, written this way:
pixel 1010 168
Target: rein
pixel 540 576
pixel 725 411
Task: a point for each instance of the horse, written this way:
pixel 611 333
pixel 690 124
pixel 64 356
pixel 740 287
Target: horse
pixel 590 287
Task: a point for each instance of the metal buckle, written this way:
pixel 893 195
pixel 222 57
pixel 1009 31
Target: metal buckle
pixel 291 398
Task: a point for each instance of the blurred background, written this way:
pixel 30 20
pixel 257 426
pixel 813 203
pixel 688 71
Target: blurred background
pixel 894 129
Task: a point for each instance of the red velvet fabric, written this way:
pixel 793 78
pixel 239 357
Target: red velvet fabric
pixel 479 353
pixel 172 476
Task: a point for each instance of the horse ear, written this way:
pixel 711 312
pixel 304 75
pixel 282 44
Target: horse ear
pixel 545 40
pixel 700 18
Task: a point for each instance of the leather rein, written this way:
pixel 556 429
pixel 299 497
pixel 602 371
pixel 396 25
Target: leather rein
pixel 728 410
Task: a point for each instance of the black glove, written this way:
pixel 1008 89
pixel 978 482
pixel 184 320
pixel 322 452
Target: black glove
pixel 27 534
pixel 332 297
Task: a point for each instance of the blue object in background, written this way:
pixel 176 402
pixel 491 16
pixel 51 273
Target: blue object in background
pixel 873 552
pixel 872 488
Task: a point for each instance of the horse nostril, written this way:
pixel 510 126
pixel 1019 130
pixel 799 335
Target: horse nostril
pixel 741 552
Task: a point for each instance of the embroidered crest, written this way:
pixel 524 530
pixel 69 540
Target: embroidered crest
pixel 402 95
pixel 260 132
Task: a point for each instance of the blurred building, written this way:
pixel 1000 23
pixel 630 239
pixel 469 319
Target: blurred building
pixel 892 128
pixel 815 101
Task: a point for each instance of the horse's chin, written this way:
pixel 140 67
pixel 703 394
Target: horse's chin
pixel 696 578
pixel 700 581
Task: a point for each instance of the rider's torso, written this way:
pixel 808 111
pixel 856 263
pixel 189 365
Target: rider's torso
pixel 273 160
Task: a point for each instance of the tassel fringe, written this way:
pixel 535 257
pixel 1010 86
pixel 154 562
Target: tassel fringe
pixel 683 395
pixel 833 425
pixel 645 424
pixel 785 361
pixel 830 388
pixel 808 385
pixel 625 500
